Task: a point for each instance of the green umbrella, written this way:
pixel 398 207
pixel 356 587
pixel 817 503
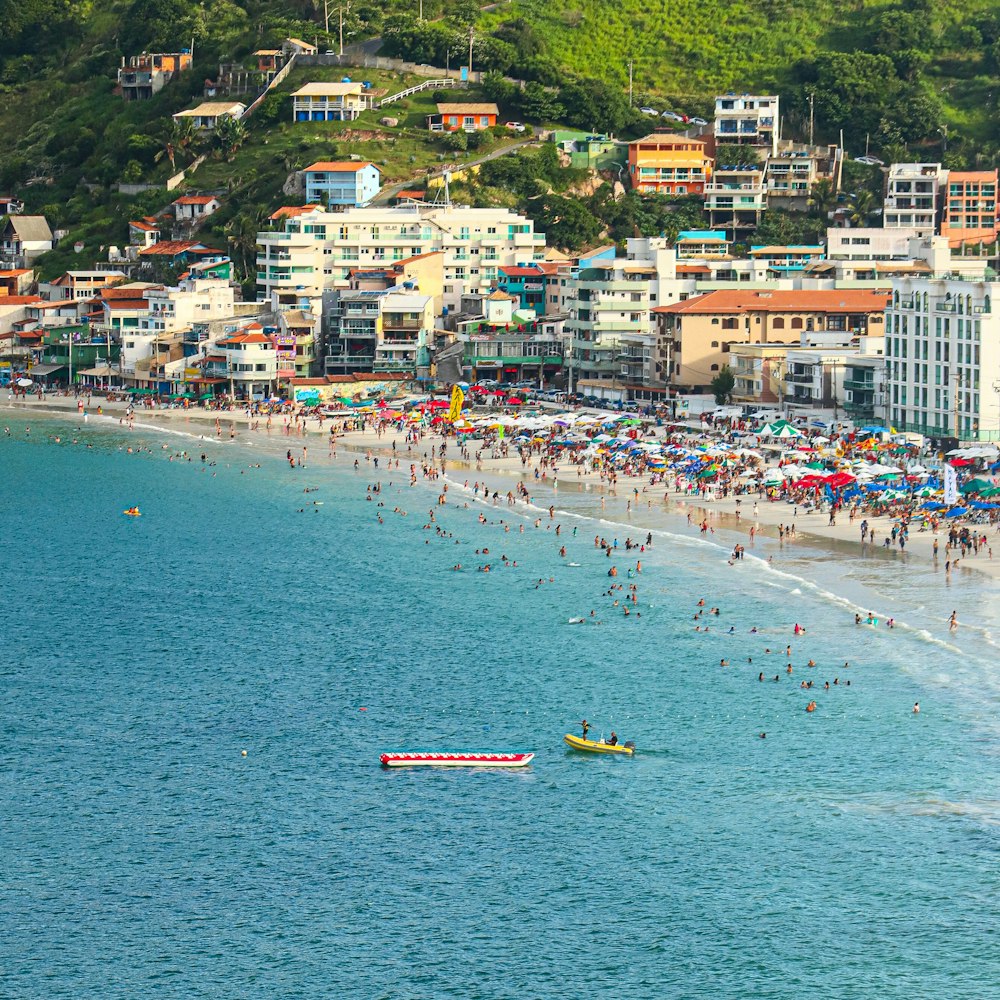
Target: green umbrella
pixel 975 486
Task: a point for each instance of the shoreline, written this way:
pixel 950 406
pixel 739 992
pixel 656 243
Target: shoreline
pixel 729 520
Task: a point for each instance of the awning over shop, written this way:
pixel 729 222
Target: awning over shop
pixel 44 371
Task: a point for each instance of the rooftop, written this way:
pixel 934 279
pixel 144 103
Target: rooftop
pixel 337 89
pixel 811 300
pixel 339 166
pixel 468 109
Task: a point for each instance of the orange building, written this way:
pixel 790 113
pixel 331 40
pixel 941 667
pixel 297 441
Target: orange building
pixel 467 117
pixel 664 163
pixel 970 207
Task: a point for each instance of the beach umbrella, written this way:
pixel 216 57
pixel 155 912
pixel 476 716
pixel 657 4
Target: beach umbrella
pixel 839 479
pixel 957 512
pixel 975 486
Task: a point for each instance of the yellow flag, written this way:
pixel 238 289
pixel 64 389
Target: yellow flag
pixel 457 398
pixel 892 430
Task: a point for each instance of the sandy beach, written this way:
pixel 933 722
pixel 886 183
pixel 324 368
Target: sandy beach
pixel 728 519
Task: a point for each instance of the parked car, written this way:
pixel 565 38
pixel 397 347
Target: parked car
pixel 697 121
pixel 488 383
pixel 673 116
pixel 649 111
pixel 869 161
pixel 514 126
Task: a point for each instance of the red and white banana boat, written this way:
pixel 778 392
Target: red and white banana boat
pixel 455 758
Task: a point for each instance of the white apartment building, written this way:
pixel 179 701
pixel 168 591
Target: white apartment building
pixel 380 330
pixel 736 197
pixel 177 307
pixel 319 249
pixel 868 244
pixel 911 195
pixel 164 310
pixel 611 332
pixel 747 119
pixel 943 357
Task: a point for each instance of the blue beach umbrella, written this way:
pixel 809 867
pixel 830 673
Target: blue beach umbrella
pixel 957 512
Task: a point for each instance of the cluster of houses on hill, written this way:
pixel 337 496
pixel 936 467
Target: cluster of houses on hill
pixel 890 323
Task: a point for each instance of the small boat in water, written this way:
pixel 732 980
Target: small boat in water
pixel 598 746
pixel 455 758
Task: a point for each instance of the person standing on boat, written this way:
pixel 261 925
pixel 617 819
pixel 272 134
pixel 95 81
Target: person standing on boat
pixel 586 728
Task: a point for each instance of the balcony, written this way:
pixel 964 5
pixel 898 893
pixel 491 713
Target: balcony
pixel 390 322
pixel 859 385
pixel 799 378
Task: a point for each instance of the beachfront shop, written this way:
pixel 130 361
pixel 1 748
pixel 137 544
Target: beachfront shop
pixel 48 376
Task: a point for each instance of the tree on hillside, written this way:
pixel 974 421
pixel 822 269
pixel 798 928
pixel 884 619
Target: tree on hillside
pixel 229 134
pixel 855 90
pixel 241 234
pixel 823 198
pixel 723 384
pixel 861 207
pixel 537 104
pixel 779 227
pixel 180 137
pixel 728 154
pixel 566 222
pixel 594 104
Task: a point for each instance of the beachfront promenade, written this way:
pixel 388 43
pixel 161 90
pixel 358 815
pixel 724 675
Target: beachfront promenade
pixel 752 518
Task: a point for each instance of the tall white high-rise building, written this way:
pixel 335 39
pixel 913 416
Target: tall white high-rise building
pixel 942 348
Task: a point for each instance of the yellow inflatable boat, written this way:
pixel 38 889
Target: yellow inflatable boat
pixel 596 746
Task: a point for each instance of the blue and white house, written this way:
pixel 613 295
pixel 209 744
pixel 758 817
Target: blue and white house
pixel 347 182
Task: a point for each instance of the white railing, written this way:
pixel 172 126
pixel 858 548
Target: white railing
pixel 426 85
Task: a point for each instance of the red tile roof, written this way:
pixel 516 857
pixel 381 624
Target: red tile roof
pixel 171 248
pixel 520 272
pixel 127 304
pixel 196 199
pixel 20 300
pixel 814 300
pixel 246 338
pixel 290 211
pixel 145 227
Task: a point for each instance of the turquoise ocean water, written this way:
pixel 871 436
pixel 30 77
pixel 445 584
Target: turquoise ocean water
pixel 854 852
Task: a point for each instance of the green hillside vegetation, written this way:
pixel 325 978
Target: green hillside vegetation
pixel 915 78
pixel 896 70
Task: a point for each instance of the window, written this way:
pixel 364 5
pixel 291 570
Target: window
pixel 779 323
pixel 715 343
pixel 715 368
pixel 796 322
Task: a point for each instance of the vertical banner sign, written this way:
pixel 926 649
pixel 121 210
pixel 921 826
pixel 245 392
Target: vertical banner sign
pixel 950 485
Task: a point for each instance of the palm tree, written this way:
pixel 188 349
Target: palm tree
pixel 823 197
pixel 860 207
pixel 241 232
pixel 182 135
